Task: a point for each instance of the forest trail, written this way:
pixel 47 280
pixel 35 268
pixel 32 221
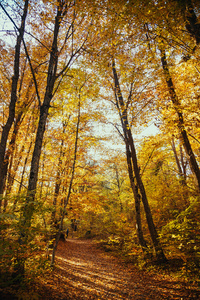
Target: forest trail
pixel 83 271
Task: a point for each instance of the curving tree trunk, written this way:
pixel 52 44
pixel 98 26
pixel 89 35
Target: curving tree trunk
pixel 181 126
pixel 131 149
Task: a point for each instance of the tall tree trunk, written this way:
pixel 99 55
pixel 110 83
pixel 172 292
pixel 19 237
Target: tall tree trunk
pixel 134 188
pixel 181 126
pixel 13 100
pixel 66 201
pixel 152 229
pixel 44 108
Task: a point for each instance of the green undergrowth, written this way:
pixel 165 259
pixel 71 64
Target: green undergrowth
pixel 131 253
pixel 180 240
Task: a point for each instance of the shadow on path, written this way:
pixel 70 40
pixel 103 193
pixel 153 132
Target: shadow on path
pixel 83 271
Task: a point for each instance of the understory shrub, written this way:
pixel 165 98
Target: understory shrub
pixel 181 238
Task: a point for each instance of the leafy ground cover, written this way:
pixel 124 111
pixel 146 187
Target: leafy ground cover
pixel 84 271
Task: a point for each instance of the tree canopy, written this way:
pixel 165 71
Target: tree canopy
pixel 79 83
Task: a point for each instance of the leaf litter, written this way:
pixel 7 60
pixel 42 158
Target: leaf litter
pixel 84 271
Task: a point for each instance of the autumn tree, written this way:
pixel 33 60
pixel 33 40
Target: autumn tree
pixel 63 46
pixel 115 49
pixel 54 74
pixel 177 106
pixel 132 158
pixel 13 100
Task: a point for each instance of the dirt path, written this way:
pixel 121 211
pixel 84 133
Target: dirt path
pixel 86 272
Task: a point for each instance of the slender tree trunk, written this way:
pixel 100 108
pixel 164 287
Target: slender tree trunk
pixel 22 175
pixel 181 126
pixel 12 173
pixel 152 229
pixel 134 188
pixel 181 171
pixel 183 163
pixel 10 153
pixel 140 235
pixel 56 194
pixel 13 100
pixel 55 197
pixel 25 162
pixel 118 186
pixel 66 201
pixel 58 177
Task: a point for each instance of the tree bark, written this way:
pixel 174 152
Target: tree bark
pixel 152 229
pixel 13 100
pixel 134 188
pixel 44 108
pixel 28 209
pixel 181 126
pixel 140 235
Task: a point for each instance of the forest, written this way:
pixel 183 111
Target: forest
pixel 100 133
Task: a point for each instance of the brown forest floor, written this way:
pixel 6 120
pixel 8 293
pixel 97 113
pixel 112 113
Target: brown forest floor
pixel 83 271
